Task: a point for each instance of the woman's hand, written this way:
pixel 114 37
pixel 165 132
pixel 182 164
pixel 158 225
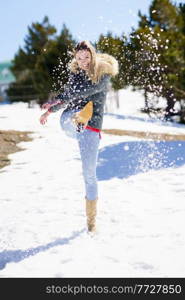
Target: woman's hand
pixel 43 118
pixel 47 105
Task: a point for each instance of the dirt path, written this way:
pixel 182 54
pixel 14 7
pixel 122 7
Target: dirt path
pixel 147 135
pixel 8 144
pixel 10 138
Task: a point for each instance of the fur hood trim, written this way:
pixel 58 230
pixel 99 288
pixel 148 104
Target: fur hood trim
pixel 101 64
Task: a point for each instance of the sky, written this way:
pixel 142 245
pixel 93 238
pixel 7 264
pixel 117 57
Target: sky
pixel 85 19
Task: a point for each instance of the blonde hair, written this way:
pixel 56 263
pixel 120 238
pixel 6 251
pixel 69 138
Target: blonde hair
pixel 101 63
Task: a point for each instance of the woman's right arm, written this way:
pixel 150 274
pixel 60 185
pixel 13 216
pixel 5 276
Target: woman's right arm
pixel 50 103
pixel 84 90
pixel 59 103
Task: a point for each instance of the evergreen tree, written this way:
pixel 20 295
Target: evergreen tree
pixel 157 53
pixel 62 54
pixel 168 17
pixel 51 70
pixel 114 46
pixel 38 65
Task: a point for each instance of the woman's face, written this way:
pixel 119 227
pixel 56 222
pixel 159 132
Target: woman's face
pixel 83 58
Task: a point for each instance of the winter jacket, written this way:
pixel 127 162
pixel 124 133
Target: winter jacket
pixel 79 91
pixel 80 88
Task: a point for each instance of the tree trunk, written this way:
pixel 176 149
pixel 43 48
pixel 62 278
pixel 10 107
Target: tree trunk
pixel 117 98
pixel 169 111
pixel 146 100
pixel 182 111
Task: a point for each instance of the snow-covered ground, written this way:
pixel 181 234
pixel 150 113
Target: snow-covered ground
pixel 141 209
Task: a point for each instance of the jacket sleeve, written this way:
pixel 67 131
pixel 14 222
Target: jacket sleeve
pixel 84 90
pixel 57 106
pixel 58 103
pixel 76 91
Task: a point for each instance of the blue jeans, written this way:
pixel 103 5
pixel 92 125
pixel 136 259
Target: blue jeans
pixel 88 142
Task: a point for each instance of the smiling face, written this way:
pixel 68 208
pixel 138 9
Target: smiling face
pixel 83 58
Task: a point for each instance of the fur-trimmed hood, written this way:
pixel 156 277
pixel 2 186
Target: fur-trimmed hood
pixel 101 63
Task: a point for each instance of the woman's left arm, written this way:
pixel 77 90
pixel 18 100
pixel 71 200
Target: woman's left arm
pixel 85 90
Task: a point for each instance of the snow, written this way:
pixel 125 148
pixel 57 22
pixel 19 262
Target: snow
pixel 141 208
pixel 129 117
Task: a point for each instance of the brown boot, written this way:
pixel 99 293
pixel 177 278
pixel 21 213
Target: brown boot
pixel 91 211
pixel 83 116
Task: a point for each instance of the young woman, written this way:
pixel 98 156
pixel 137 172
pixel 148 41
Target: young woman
pixel 83 99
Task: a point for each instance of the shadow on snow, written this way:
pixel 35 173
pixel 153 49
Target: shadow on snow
pixel 130 158
pixel 8 256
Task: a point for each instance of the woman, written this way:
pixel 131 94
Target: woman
pixel 84 98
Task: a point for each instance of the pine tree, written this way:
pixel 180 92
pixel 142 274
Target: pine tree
pixel 115 46
pixel 157 53
pixel 37 66
pixel 62 54
pixel 167 17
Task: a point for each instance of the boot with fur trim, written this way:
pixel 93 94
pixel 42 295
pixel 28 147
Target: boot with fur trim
pixel 82 117
pixel 91 212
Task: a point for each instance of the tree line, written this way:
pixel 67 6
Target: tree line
pixel 151 58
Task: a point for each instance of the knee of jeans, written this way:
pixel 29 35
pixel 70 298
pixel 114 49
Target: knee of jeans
pixel 64 121
pixel 68 127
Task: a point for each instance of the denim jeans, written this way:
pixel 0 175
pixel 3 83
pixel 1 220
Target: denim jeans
pixel 88 142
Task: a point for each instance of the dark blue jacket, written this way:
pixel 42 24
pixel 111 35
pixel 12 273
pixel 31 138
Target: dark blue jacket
pixel 79 91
